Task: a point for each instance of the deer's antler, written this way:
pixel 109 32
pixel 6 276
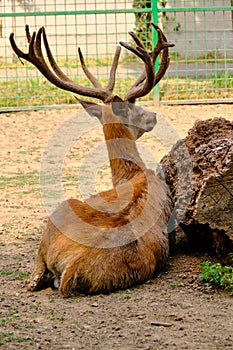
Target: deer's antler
pixel 143 85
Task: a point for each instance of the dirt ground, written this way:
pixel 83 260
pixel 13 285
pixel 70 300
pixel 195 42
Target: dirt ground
pixel 171 311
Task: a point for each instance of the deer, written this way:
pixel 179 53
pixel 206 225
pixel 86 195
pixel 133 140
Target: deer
pixel 118 238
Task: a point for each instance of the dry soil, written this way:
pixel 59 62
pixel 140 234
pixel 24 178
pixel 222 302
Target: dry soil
pixel 171 311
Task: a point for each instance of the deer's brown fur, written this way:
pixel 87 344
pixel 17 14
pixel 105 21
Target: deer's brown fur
pixel 118 238
pixel 98 266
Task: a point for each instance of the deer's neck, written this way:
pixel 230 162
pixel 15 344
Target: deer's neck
pixel 125 161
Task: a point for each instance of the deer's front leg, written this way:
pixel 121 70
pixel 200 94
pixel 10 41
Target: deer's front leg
pixel 41 277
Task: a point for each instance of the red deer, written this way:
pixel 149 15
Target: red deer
pixel 118 238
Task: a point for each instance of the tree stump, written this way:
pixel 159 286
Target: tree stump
pixel 199 172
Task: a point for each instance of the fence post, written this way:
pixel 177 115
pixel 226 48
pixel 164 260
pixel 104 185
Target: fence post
pixel 154 5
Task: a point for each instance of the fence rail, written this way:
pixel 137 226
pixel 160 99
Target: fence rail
pixel 201 68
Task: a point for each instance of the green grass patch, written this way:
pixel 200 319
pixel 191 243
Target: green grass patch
pixel 5 272
pixel 20 276
pixel 30 150
pixel 187 88
pixel 19 180
pixel 9 337
pixel 174 285
pixel 223 81
pixel 15 274
pixel 217 275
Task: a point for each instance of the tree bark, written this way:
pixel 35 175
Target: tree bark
pixel 199 172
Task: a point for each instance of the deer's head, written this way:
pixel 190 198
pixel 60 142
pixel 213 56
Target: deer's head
pixel 137 119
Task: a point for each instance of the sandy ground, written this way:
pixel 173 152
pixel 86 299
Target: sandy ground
pixel 171 311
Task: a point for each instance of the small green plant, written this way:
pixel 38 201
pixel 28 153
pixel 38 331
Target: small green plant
pixel 16 275
pixel 19 179
pixel 8 337
pixel 218 275
pixel 5 272
pixel 21 275
pixel 174 285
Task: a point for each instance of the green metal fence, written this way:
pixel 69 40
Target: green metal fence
pixel 202 62
pixel 201 66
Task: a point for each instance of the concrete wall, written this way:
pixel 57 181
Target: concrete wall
pixel 196 33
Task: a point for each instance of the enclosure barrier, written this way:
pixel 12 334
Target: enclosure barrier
pixel 201 65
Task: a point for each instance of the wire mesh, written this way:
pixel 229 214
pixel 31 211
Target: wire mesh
pixel 201 65
pixel 95 26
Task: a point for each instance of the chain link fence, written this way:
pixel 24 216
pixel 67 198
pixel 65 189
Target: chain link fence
pixel 201 65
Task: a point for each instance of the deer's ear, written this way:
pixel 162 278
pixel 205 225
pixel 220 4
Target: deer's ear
pixel 92 108
pixel 119 107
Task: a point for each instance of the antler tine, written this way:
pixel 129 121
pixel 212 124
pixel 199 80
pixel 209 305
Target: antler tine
pixel 28 35
pixel 52 61
pixel 112 76
pixel 16 49
pixel 89 75
pixel 136 39
pixel 162 44
pixel 36 57
pixel 139 43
